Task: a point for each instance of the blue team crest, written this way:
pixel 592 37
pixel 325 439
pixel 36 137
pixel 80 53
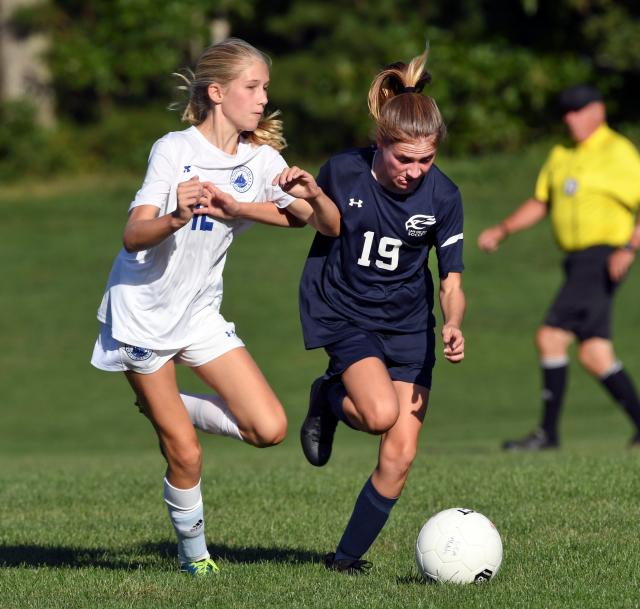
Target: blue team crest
pixel 241 178
pixel 137 353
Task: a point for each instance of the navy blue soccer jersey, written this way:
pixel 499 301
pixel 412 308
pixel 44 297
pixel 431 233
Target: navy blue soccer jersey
pixel 375 276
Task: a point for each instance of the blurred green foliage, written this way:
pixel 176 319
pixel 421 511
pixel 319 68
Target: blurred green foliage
pixel 108 53
pixel 497 66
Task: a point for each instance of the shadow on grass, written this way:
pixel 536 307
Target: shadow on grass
pixel 242 555
pixel 147 556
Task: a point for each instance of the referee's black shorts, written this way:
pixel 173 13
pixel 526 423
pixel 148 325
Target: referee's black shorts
pixel 583 304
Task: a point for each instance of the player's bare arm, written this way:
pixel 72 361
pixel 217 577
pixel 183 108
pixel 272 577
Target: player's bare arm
pixel 223 206
pixel 452 303
pixel 526 216
pixel 621 259
pixel 300 212
pixel 145 228
pixel 311 205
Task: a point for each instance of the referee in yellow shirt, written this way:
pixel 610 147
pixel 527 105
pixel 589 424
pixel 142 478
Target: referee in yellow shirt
pixel 591 191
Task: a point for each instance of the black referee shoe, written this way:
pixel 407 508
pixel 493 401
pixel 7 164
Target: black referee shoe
pixel 316 433
pixel 349 566
pixel 537 440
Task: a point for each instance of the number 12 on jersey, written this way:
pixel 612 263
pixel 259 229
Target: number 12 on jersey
pixel 388 252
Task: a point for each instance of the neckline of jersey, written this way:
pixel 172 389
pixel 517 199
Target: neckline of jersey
pixel 242 144
pixel 599 135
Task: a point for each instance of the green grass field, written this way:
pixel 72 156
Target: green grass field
pixel 82 522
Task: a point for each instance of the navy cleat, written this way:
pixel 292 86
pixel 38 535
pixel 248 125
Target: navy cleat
pixel 350 566
pixel 537 440
pixel 316 433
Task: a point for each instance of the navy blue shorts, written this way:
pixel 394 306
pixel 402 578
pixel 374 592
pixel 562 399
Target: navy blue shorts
pixel 583 304
pixel 408 357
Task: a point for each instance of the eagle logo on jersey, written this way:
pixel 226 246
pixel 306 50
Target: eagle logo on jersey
pixel 137 353
pixel 241 178
pixel 418 225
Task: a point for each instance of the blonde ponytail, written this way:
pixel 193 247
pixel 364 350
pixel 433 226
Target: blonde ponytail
pixel 398 107
pixel 269 132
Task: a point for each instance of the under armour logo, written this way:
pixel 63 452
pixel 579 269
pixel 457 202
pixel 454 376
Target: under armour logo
pixel 353 202
pixel 187 169
pixel 230 333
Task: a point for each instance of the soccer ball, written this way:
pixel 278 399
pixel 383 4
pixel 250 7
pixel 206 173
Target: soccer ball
pixel 459 546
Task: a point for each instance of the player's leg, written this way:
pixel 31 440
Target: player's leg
pixel 596 352
pixel 209 413
pixel 560 326
pixel 366 399
pixel 598 357
pixel 357 390
pixel 398 447
pixel 552 344
pixel 242 387
pixel 158 394
pixel 212 413
pixel 362 397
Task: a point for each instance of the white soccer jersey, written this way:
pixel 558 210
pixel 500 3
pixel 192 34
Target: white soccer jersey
pixel 153 295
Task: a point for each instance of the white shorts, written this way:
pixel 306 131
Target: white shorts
pixel 217 338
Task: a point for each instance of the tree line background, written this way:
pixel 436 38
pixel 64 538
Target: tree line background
pixel 497 66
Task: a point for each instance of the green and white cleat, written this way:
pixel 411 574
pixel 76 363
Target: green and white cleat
pixel 200 568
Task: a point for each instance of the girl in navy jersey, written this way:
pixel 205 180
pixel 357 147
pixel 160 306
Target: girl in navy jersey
pixel 367 295
pixel 162 301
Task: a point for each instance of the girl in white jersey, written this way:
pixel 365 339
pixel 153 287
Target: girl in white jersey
pixel 162 301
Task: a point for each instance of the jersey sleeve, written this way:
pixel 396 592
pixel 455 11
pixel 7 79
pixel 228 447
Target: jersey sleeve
pixel 323 177
pixel 325 180
pixel 627 163
pixel 275 193
pixel 542 190
pixel 449 237
pixel 158 180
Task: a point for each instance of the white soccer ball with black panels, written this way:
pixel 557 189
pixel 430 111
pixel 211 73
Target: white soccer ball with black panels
pixel 460 546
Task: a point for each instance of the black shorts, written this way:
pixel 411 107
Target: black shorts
pixel 407 357
pixel 583 304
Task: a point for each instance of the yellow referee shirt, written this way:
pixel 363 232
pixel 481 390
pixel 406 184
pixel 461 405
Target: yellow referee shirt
pixel 593 190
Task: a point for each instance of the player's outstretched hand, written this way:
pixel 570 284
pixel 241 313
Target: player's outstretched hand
pixel 453 343
pixel 189 194
pixel 490 238
pixel 298 183
pixel 216 203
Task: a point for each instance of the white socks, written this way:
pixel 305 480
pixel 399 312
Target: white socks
pixel 187 516
pixel 614 369
pixel 209 413
pixel 559 361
